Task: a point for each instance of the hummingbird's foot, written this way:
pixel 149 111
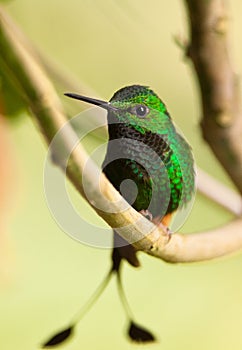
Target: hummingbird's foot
pixel 147 214
pixel 165 228
pixel 163 224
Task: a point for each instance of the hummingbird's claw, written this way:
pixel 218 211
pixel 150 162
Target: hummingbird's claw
pixel 165 229
pixel 147 214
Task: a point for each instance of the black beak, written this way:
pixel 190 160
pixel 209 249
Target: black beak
pixel 93 101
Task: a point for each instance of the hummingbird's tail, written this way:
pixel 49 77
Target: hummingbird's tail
pixel 134 331
pixel 64 334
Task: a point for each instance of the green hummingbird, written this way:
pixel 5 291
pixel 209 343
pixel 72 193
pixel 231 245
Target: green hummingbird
pixel 145 148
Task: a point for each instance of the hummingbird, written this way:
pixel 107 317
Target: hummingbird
pixel 151 164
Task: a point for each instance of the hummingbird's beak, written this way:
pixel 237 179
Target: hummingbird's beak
pixel 93 101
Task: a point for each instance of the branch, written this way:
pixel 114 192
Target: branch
pixel 206 184
pixel 220 94
pixel 47 111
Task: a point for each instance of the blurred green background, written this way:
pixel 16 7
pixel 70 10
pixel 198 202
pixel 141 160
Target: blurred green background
pixel 106 45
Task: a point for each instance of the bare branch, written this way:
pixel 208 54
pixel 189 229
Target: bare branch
pixel 47 110
pixel 222 115
pixel 206 184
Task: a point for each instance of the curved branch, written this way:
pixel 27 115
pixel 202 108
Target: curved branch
pixel 206 184
pixel 47 110
pixel 220 94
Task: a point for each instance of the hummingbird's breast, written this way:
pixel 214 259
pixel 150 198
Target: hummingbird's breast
pixel 144 169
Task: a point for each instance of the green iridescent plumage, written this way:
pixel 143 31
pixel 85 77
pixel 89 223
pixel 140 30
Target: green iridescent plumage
pixel 144 146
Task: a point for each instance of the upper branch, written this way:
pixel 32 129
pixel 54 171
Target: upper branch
pixel 220 94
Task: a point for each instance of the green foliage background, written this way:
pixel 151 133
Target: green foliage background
pixel 109 44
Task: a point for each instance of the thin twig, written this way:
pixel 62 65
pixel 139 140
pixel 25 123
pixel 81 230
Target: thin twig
pixel 219 193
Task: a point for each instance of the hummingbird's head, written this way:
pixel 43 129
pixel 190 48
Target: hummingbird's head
pixel 136 106
pixel 140 107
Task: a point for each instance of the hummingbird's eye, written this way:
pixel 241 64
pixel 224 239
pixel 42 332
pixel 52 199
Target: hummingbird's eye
pixel 141 111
